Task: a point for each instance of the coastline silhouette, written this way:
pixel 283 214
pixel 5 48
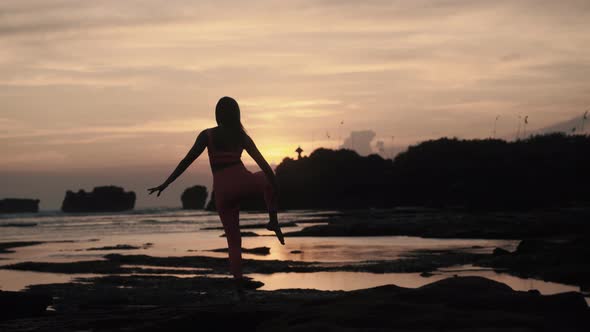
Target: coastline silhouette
pixel 541 171
pixel 232 182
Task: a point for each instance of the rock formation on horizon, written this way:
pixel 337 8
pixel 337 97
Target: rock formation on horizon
pixel 19 205
pixel 101 199
pixel 194 198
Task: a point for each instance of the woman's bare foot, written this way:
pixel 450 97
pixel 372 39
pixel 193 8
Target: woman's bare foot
pixel 274 226
pixel 239 293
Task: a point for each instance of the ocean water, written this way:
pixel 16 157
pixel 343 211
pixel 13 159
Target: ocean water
pixel 176 232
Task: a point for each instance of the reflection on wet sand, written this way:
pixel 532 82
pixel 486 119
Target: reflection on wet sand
pixel 18 280
pixel 347 281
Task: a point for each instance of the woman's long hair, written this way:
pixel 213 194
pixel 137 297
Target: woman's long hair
pixel 227 115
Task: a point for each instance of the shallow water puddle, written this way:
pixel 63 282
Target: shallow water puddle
pixel 18 280
pixel 347 281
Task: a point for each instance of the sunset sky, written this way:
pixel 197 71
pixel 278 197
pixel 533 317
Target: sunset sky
pixel 115 92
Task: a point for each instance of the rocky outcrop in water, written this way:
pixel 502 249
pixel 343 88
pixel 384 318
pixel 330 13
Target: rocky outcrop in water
pixel 564 261
pixel 19 205
pixel 194 198
pixel 101 199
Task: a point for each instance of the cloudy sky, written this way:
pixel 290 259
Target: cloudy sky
pixel 99 92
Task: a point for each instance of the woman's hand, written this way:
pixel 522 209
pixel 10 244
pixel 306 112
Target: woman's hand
pixel 159 189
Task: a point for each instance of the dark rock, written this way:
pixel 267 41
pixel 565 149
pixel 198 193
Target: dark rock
pixel 101 199
pixel 263 251
pixel 500 252
pixel 119 264
pixel 534 291
pixel 19 304
pixel 564 261
pixel 108 294
pixel 532 246
pixel 19 205
pixel 156 303
pixel 117 247
pixel 296 251
pixel 426 274
pixel 253 226
pixel 453 304
pixel 243 234
pixel 454 224
pixel 5 247
pixel 194 198
pixel 19 224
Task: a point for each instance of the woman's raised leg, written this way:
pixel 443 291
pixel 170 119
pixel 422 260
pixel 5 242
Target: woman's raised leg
pixel 271 201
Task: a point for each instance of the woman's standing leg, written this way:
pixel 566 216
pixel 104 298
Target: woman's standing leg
pixel 230 218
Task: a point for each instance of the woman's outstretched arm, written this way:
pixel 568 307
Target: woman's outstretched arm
pixel 192 155
pixel 253 151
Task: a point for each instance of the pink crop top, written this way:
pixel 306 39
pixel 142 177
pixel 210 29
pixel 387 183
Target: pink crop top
pixel 221 159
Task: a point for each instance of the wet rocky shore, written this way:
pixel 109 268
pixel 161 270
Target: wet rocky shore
pixel 134 292
pixel 460 223
pixel 148 303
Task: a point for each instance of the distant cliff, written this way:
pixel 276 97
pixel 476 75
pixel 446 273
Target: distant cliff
pixel 19 205
pixel 194 197
pixel 101 199
pixel 542 171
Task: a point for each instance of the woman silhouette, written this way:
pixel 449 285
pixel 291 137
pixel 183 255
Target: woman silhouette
pixel 231 180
